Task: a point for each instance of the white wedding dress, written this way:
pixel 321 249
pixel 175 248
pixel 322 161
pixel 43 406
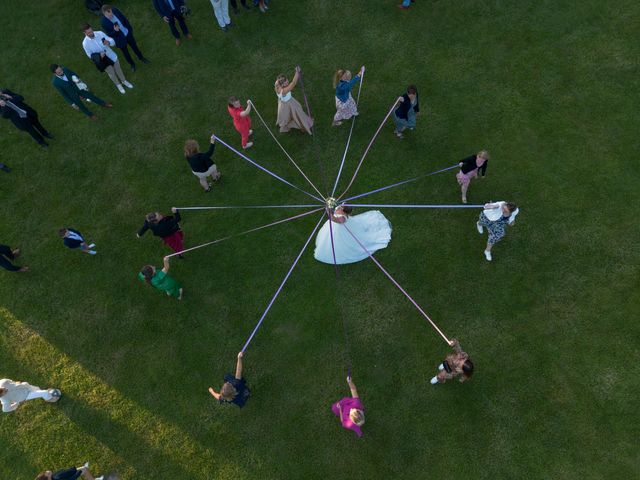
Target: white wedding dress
pixel 371 228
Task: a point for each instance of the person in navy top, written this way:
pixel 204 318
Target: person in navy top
pixel 234 390
pixel 170 11
pixel 116 25
pixel 73 239
pixel 405 115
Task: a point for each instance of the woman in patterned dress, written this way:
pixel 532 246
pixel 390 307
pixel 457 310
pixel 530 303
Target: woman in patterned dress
pixel 495 217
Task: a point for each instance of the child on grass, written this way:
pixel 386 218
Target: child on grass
pixel 160 280
pixel 241 120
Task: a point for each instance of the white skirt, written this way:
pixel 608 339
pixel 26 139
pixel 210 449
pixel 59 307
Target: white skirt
pixel 372 229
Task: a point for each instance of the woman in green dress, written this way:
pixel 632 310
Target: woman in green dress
pixel 160 280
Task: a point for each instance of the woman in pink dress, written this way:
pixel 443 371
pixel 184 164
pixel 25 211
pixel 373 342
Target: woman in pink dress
pixel 241 120
pixel 350 410
pixel 469 168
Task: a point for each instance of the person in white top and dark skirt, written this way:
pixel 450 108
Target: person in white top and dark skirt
pixel 495 217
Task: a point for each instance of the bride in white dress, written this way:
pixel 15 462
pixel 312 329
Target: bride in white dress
pixel 371 228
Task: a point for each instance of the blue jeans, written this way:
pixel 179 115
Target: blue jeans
pixel 406 3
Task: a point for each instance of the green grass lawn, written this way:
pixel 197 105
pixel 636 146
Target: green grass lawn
pixel 550 88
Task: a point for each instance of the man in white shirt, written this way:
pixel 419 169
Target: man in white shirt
pixel 13 393
pixel 97 46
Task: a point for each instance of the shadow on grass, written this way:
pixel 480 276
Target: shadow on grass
pixel 100 410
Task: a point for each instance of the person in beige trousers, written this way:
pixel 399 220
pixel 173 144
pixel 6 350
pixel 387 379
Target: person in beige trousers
pixel 12 394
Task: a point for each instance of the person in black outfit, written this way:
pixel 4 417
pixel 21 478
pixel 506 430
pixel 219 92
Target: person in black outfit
pixel 117 26
pixel 469 168
pixel 23 116
pixel 234 5
pixel 201 164
pixel 72 473
pixel 5 168
pixel 7 254
pixel 234 389
pixel 167 228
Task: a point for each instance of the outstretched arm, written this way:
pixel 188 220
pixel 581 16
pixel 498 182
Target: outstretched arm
pixel 352 387
pixel 291 85
pixel 165 266
pixel 239 366
pixel 247 110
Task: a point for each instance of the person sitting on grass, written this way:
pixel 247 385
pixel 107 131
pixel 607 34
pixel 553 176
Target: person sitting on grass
pixel 73 239
pixel 234 389
pixel 456 364
pixel 350 410
pixel 6 255
pixel 69 474
pixel 160 280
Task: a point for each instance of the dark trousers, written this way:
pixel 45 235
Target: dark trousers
pixel 5 255
pixel 176 15
pixel 131 42
pixel 87 95
pixel 33 127
pixel 234 5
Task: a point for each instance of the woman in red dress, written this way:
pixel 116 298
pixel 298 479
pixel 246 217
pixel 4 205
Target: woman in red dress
pixel 241 120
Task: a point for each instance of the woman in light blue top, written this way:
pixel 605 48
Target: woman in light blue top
pixel 345 104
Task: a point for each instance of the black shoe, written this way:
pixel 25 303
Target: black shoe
pixel 133 68
pixel 145 60
pixel 5 168
pixel 181 257
pixel 48 135
pixel 44 145
pixel 231 25
pixel 225 29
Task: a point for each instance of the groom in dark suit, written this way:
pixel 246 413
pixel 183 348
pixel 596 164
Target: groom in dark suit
pixel 66 82
pixel 23 116
pixel 117 26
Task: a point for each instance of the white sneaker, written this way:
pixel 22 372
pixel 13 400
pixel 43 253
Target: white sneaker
pixel 487 255
pixel 479 227
pixel 101 477
pixel 250 132
pixel 249 145
pixel 434 380
pixel 120 88
pixel 92 245
pixel 92 252
pixel 441 367
pixel 86 465
pixel 127 84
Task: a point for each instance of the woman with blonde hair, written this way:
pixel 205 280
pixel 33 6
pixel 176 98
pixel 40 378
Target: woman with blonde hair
pixel 469 168
pixel 234 389
pixel 350 410
pixel 290 112
pixel 496 216
pixel 345 104
pixel 201 164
